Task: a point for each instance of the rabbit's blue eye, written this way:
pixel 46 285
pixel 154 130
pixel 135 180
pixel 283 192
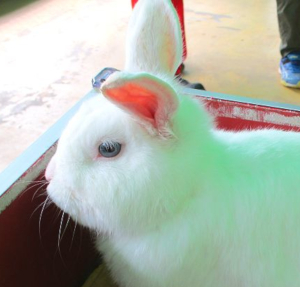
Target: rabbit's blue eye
pixel 109 149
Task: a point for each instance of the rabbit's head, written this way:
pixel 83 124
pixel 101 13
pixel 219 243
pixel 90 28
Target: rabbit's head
pixel 126 161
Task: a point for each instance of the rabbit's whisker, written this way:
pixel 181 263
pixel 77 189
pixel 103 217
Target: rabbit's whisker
pixel 73 234
pixel 41 214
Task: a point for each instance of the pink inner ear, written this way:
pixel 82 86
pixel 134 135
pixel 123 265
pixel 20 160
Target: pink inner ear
pixel 138 100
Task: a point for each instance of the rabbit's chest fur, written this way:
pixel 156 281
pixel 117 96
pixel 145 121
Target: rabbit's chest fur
pixel 241 248
pixel 241 229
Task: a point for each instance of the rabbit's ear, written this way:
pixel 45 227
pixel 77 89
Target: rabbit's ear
pixel 154 41
pixel 144 96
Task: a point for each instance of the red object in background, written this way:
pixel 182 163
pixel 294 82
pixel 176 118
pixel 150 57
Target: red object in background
pixel 32 254
pixel 236 116
pixel 178 4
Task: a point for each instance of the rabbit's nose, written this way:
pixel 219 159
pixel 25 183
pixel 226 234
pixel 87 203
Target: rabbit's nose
pixel 50 169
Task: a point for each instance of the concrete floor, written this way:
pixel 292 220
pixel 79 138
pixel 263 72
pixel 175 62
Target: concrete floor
pixel 50 49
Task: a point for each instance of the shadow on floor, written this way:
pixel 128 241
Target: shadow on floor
pixel 8 6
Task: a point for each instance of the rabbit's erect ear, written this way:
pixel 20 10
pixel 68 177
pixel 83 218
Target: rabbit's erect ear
pixel 154 41
pixel 144 96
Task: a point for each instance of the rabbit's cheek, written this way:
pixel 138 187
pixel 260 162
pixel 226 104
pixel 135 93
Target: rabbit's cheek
pixel 59 195
pixel 56 197
pixel 78 209
pixel 50 169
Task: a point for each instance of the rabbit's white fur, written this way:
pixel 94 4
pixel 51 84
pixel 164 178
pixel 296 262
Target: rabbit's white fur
pixel 183 204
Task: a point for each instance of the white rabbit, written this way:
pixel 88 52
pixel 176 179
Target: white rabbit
pixel 175 202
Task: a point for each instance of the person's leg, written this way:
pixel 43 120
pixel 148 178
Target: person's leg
pixel 288 12
pixel 178 4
